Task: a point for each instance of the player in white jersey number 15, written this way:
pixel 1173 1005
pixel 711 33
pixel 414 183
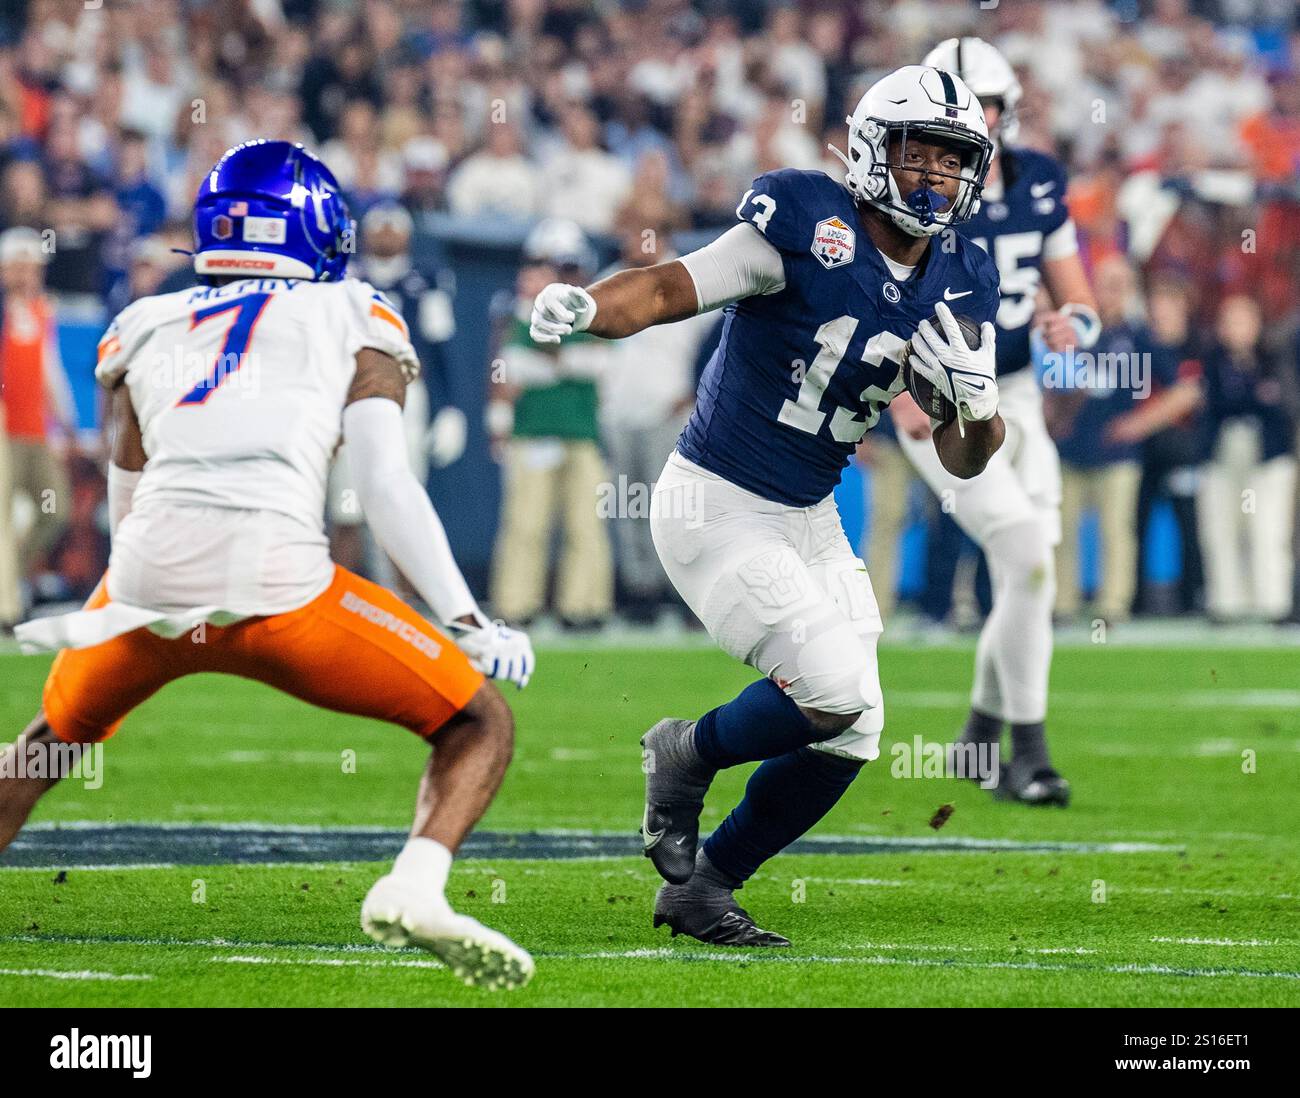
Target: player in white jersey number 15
pixel 229 402
pixel 1012 510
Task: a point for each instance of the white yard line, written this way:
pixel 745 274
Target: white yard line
pixel 174 825
pixel 1201 836
pixel 312 867
pixel 83 868
pixel 1203 749
pixel 335 962
pixel 382 957
pixel 1221 942
pixel 197 943
pixel 1071 885
pixel 865 882
pixel 1236 892
pixel 1077 951
pixel 257 758
pixel 1127 969
pixel 482 866
pixel 1156 700
pixel 63 974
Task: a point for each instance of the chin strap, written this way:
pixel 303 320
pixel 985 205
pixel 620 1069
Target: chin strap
pixel 848 167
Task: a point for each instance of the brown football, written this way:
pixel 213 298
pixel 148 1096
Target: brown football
pixel 928 398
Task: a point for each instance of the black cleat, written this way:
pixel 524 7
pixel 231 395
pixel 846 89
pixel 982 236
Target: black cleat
pixel 675 783
pixel 1042 785
pixel 711 916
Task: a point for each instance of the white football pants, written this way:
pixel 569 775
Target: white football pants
pixel 1012 510
pixel 778 587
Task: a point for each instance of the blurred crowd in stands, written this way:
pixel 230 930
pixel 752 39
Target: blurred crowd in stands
pixel 645 120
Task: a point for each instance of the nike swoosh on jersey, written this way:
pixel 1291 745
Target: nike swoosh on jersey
pixel 948 295
pixel 1040 189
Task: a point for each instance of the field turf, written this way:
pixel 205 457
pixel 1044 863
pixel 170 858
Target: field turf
pixel 1173 879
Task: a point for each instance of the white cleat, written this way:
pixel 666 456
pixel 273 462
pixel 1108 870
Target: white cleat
pixel 398 915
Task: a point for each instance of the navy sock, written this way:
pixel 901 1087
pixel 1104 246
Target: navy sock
pixel 785 797
pixel 759 723
pixel 982 728
pixel 1029 745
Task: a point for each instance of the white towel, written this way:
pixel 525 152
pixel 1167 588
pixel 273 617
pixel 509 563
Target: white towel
pixel 86 628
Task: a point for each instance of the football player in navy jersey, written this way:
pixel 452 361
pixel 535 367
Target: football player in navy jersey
pixel 1013 509
pixel 823 282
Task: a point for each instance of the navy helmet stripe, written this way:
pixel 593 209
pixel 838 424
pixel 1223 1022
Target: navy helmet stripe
pixel 949 89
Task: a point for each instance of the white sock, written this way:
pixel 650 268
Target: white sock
pixel 426 861
pixel 1014 654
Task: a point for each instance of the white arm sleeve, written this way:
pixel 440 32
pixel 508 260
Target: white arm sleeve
pixel 1062 242
pixel 740 263
pixel 121 487
pixel 398 510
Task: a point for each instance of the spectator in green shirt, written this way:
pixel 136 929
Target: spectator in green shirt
pixel 542 414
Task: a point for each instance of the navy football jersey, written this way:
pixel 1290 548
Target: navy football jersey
pixel 799 376
pixel 1012 230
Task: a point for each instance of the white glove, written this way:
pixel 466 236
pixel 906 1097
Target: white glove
pixel 967 378
pixel 495 649
pixel 561 310
pixel 445 439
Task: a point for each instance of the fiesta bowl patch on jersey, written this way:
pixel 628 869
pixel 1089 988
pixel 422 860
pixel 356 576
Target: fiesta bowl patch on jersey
pixel 833 242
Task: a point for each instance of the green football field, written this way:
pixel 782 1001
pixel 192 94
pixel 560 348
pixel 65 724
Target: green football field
pixel 1173 879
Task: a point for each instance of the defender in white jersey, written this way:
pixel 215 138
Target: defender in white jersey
pixel 228 403
pixel 1013 509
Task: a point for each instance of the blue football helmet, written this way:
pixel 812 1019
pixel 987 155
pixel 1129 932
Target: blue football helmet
pixel 271 208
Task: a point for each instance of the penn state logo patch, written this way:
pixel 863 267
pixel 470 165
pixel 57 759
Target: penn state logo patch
pixel 833 243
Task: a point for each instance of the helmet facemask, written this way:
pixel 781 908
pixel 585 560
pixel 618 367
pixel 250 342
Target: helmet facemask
pixel 923 211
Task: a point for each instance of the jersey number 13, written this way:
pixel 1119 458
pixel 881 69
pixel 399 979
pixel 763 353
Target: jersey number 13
pixel 833 337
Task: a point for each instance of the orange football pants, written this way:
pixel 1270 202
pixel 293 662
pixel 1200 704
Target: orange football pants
pixel 357 648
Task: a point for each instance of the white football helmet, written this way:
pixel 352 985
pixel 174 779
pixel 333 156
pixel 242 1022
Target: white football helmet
pixel 562 243
pixel 988 74
pixel 916 103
